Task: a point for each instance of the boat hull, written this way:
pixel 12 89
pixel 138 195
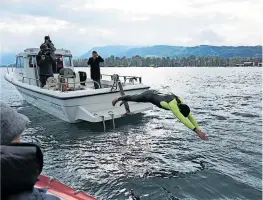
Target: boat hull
pixel 73 109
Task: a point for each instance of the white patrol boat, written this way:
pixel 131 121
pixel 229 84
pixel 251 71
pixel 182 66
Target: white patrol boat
pixel 70 95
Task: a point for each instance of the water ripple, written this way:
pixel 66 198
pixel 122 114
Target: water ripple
pixel 153 156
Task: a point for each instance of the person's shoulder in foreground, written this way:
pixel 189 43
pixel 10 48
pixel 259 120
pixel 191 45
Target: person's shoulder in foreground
pixel 21 163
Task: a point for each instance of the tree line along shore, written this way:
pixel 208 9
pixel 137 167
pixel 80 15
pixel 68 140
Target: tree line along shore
pixel 190 61
pixel 194 61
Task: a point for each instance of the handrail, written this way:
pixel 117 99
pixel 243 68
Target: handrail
pixel 74 83
pixel 70 76
pixel 84 82
pixel 122 76
pixel 90 81
pixel 61 88
pixel 24 77
pixel 9 66
pixel 30 78
pixel 126 77
pixel 97 84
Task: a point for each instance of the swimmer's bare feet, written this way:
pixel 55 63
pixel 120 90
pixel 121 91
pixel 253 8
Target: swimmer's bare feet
pixel 114 101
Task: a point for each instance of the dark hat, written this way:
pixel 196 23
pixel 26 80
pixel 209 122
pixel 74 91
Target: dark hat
pixel 94 51
pixel 47 38
pixel 184 109
pixel 12 124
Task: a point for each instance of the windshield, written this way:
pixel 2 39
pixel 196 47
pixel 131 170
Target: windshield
pixel 67 61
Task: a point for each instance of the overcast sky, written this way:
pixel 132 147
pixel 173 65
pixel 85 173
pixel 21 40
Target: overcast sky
pixel 82 24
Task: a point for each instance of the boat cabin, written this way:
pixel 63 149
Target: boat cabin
pixel 26 64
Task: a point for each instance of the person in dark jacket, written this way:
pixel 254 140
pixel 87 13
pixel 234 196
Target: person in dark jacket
pixel 94 63
pixel 52 48
pixel 21 163
pixel 45 62
pixel 49 44
pixel 59 64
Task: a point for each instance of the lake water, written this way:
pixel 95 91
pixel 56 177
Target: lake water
pixel 153 154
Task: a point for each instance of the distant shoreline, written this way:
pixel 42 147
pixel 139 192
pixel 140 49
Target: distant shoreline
pixel 190 61
pixel 166 55
pixel 165 67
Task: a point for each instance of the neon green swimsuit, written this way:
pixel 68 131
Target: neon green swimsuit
pixel 190 121
pixel 164 101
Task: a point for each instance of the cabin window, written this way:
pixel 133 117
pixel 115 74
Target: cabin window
pixel 19 65
pixel 32 61
pixel 67 61
pixel 20 62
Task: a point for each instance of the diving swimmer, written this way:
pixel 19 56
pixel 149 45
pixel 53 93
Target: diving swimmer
pixel 168 102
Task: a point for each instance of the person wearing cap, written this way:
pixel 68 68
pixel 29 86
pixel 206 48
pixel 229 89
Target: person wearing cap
pixel 21 163
pixel 45 62
pixel 94 63
pixel 12 124
pixel 49 44
pixel 167 101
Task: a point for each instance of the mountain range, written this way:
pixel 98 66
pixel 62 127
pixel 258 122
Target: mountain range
pixel 177 51
pixel 161 51
pixel 7 58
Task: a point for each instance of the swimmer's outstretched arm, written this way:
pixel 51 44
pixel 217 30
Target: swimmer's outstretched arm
pixel 197 128
pixel 193 121
pixel 175 110
pixel 189 122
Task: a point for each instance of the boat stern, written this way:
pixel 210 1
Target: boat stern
pixel 110 113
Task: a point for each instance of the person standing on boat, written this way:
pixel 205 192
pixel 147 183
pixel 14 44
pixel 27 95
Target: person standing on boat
pixel 50 45
pixel 21 163
pixel 59 64
pixel 94 63
pixel 45 62
pixel 52 49
pixel 167 101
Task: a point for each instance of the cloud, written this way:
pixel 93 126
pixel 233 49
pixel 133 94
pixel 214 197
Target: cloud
pixel 209 37
pixel 82 24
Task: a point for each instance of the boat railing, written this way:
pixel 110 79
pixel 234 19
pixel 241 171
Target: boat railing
pixel 23 78
pixel 125 78
pixel 64 85
pixel 62 82
pixel 9 66
pixel 115 78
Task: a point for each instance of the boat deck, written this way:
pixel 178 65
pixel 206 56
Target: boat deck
pixel 86 91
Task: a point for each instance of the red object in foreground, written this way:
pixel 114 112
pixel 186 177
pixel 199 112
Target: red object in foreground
pixel 61 190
